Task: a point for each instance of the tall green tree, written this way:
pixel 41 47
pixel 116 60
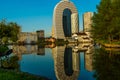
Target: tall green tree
pixel 106 21
pixel 115 23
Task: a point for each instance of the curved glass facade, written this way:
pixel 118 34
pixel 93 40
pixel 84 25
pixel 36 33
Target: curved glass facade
pixel 67 22
pixel 63 22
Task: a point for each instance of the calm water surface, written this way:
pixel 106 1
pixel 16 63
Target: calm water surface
pixel 81 62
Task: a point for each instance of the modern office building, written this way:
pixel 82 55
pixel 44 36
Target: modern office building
pixel 65 20
pixel 87 22
pixel 75 23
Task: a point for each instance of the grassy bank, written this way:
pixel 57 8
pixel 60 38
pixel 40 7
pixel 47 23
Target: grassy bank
pixel 108 44
pixel 15 75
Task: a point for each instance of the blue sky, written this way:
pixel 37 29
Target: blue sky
pixel 34 15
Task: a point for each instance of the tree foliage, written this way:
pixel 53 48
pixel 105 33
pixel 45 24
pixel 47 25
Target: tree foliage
pixel 106 21
pixel 9 31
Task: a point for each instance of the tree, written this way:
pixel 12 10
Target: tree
pixel 106 21
pixel 15 31
pixel 9 31
pixel 115 23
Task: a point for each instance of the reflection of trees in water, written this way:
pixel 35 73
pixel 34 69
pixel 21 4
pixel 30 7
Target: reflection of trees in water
pixel 106 65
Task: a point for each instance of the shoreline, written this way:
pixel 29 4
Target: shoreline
pixel 109 45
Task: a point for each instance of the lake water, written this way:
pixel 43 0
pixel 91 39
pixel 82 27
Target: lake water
pixel 71 62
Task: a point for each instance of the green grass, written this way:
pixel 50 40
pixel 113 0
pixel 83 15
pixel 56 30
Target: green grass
pixel 15 75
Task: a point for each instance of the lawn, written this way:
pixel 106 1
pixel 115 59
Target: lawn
pixel 16 75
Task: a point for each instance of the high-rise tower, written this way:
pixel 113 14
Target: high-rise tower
pixel 65 20
pixel 87 22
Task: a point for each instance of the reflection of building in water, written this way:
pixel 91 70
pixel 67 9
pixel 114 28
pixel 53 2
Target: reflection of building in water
pixel 61 54
pixel 41 51
pixel 27 49
pixel 75 60
pixel 88 61
pixel 89 58
pixel 88 49
pixel 66 63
